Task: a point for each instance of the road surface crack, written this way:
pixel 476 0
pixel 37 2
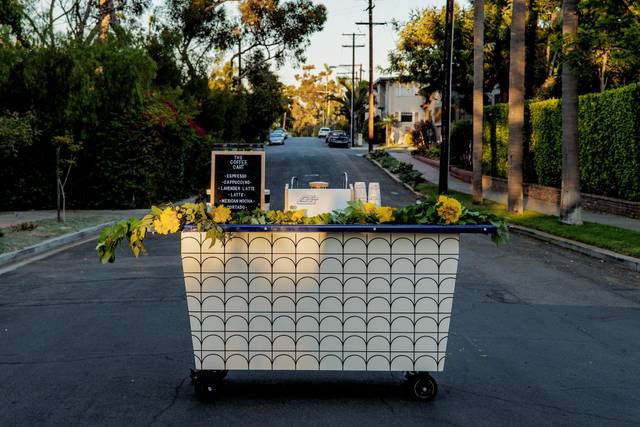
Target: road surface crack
pixel 170 405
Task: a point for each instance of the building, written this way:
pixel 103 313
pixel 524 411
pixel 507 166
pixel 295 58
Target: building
pixel 402 101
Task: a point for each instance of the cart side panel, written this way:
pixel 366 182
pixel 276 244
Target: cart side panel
pixel 370 301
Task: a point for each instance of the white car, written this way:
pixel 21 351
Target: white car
pixel 277 137
pixel 323 132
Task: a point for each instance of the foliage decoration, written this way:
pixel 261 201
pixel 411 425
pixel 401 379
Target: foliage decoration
pixel 172 219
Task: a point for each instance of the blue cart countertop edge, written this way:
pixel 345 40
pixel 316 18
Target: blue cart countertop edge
pixel 357 228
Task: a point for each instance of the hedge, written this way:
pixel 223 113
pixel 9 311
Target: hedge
pixel 609 142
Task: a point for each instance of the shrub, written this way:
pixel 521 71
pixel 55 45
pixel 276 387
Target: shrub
pixel 389 162
pixel 609 142
pixel 402 167
pixel 411 178
pixel 495 141
pixel 545 144
pixel 424 135
pixel 378 154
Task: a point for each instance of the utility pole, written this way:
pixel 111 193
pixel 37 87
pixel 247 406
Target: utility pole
pixel 357 65
pixel 353 47
pixel 237 32
pixel 443 184
pixel 371 100
pixel 239 61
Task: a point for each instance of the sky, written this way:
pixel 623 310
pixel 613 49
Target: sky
pixel 326 46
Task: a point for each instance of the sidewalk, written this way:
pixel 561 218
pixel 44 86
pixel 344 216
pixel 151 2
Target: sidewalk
pixel 431 174
pixel 11 218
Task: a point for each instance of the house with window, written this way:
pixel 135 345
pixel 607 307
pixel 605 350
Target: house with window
pixel 402 101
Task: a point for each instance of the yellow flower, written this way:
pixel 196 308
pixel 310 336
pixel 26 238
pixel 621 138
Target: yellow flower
pixel 369 208
pixel 449 209
pixel 221 214
pixel 297 215
pixel 385 214
pixel 168 222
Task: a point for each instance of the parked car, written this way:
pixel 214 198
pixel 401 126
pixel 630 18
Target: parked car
pixel 286 134
pixel 338 138
pixel 323 132
pixel 277 137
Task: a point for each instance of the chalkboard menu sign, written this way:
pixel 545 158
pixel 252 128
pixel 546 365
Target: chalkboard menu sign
pixel 237 179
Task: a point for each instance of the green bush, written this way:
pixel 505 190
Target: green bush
pixel 379 154
pixel 389 162
pixel 402 167
pixel 411 178
pixel 545 121
pixel 609 127
pixel 609 142
pixel 495 141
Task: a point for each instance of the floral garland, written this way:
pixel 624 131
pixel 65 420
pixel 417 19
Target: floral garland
pixel 172 219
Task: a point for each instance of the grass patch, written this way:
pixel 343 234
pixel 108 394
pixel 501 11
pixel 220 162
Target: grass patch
pixel 21 236
pixel 603 236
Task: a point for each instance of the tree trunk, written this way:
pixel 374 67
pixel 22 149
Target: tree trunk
pixel 516 108
pixel 478 97
pixel 570 210
pixel 58 184
pixel 105 19
pixel 603 68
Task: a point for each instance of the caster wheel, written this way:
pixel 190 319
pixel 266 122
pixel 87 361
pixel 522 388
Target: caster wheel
pixel 422 386
pixel 207 383
pixel 220 375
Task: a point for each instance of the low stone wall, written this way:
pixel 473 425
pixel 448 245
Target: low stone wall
pixel 592 202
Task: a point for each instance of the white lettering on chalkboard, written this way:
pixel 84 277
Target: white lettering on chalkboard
pixel 238 180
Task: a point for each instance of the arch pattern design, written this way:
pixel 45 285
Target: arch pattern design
pixel 320 300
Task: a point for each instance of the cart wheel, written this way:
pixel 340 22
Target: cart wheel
pixel 206 384
pixel 220 375
pixel 422 386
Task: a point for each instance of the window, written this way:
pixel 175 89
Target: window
pixel 406 117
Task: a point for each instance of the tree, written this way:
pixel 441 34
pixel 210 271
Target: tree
pixel 419 53
pixel 265 100
pixel 609 36
pixel 314 97
pixel 516 108
pixel 388 122
pixel 67 149
pixel 478 97
pixel 82 20
pixel 570 212
pixel 279 30
pixel 360 102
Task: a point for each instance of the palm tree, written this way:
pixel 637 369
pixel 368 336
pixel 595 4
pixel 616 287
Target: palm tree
pixel 478 97
pixel 516 108
pixel 388 122
pixel 360 100
pixel 570 211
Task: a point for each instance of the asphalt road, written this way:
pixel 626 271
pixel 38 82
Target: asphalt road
pixel 539 336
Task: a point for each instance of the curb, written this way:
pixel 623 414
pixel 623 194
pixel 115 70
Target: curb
pixel 50 245
pixel 395 178
pixel 593 251
pixel 626 261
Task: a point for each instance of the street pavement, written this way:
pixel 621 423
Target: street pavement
pixel 539 336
